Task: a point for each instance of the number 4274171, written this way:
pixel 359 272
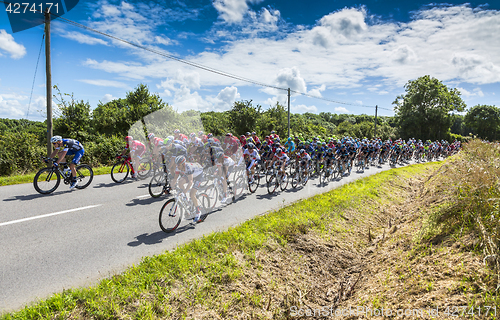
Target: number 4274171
pixel 35 8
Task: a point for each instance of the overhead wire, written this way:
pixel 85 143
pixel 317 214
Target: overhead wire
pixel 200 66
pixel 34 77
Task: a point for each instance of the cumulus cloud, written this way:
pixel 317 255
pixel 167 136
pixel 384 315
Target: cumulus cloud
pixel 476 92
pixel 341 110
pixel 231 11
pixel 107 98
pixel 302 108
pixel 9 45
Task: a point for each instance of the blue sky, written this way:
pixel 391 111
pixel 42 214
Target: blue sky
pixel 358 53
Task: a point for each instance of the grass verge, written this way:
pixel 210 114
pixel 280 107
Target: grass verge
pixel 28 178
pixel 353 246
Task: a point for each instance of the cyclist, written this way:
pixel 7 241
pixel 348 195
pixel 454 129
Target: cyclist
pixel 281 157
pixel 305 160
pixel 251 156
pixel 225 165
pixel 174 150
pixel 136 149
pixel 181 137
pixel 290 145
pixel 192 175
pixel 256 140
pixel 69 147
pixel 155 143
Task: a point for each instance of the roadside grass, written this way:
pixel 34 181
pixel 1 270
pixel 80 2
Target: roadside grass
pixel 210 277
pixel 28 178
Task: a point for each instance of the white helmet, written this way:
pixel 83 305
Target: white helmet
pixel 55 139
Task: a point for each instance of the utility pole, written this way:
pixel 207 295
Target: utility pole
pixel 49 81
pixel 376 109
pixel 288 112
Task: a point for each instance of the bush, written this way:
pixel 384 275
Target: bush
pixel 102 150
pixel 19 153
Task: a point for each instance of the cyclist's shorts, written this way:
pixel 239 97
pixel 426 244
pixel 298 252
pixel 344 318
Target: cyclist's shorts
pixel 250 164
pixel 78 155
pixel 197 181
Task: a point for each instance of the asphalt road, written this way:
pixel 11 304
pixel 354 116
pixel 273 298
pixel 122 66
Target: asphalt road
pixel 75 238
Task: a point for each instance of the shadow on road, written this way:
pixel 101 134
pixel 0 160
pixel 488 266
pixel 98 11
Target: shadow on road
pixel 35 196
pixel 112 184
pixel 145 201
pixel 158 237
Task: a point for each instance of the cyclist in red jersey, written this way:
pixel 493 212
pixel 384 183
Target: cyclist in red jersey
pixel 136 149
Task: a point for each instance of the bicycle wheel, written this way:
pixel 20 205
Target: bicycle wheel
pixel 144 168
pixel 305 178
pixel 239 186
pixel 283 181
pixel 157 184
pixel 47 180
pixel 213 194
pixel 272 184
pixel 170 216
pixel 292 167
pixel 269 174
pixel 84 176
pixel 295 179
pixel 204 203
pixel 323 176
pixel 252 186
pixel 120 171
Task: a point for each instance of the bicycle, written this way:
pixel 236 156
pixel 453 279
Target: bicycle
pixel 299 176
pixel 48 179
pixel 121 169
pixel 277 178
pixel 159 183
pixel 173 210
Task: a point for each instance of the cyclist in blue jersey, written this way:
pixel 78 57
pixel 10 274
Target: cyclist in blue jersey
pixel 290 145
pixel 67 147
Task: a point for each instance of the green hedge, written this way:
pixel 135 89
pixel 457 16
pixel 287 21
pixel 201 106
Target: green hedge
pixel 21 153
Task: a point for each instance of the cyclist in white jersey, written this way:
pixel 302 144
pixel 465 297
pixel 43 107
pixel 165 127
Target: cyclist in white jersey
pixel 192 174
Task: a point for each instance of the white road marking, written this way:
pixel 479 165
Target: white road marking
pixel 47 215
pixel 140 197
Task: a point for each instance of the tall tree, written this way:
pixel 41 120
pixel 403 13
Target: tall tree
pixel 424 111
pixel 484 120
pixel 244 117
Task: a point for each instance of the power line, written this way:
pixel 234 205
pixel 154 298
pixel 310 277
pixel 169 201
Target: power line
pixel 34 77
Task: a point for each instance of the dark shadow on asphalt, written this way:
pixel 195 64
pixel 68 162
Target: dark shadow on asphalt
pixel 112 184
pixel 36 196
pixel 158 237
pixel 146 201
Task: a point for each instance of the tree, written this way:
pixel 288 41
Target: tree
pixel 74 117
pixel 484 120
pixel 425 110
pixel 244 117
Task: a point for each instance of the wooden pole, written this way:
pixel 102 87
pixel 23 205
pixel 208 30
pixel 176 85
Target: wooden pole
pixel 376 109
pixel 288 112
pixel 49 81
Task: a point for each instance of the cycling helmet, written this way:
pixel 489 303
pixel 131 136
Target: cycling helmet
pixel 192 135
pixel 323 143
pixel 228 134
pixel 289 139
pixel 151 136
pixel 211 141
pixel 180 160
pixel 171 138
pixel 55 139
pixel 279 150
pixel 200 133
pixel 168 142
pixel 253 133
pixel 219 155
pixel 248 133
pixel 242 136
pixel 272 132
pixel 251 145
pixel 127 138
pixel 329 150
pixel 177 131
pixel 302 151
pixel 210 135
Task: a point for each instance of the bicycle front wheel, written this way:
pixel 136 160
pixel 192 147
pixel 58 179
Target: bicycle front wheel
pixel 157 185
pixel 144 169
pixel 84 176
pixel 47 180
pixel 283 181
pixel 170 216
pixel 253 185
pixel 204 203
pixel 272 184
pixel 120 171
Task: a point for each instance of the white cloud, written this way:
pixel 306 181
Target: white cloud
pixel 105 83
pixel 317 91
pixel 82 38
pixel 227 97
pixel 8 44
pixel 341 110
pixel 11 108
pixel 301 108
pixel 107 98
pixel 231 11
pixel 476 92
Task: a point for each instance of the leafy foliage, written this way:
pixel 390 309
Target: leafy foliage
pixel 485 121
pixel 425 110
